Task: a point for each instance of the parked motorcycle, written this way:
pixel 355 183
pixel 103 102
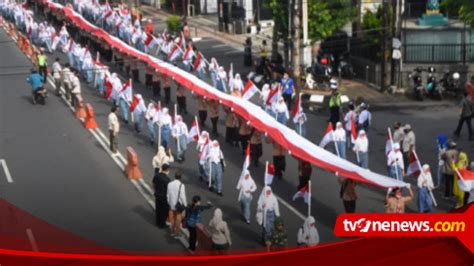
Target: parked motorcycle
pixel 451 83
pixel 419 91
pixel 433 89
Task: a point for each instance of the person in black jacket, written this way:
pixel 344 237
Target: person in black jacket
pixel 193 217
pixel 160 184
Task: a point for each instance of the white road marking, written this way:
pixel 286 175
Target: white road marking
pixel 219 45
pixel 32 240
pixel 147 197
pixel 7 172
pixel 286 204
pixel 146 186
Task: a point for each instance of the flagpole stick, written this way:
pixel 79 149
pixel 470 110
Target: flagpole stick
pixel 309 198
pixel 132 117
pixel 96 70
pixel 423 173
pixel 197 126
pixel 177 137
pixel 210 172
pixel 266 173
pixel 391 142
pixel 335 144
pixel 264 218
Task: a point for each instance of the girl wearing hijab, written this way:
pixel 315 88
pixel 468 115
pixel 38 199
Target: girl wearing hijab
pixel 180 133
pixel 340 139
pixel 165 124
pixel 267 210
pixel 221 79
pixel 161 158
pixel 462 164
pixel 220 233
pixel 215 158
pixel 238 83
pixel 282 114
pixel 138 112
pixel 425 185
pixel 246 187
pixel 213 69
pixel 308 235
pixel 149 117
pixel 361 148
pixel 203 148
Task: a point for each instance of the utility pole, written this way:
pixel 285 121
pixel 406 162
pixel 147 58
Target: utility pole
pixel 296 46
pixel 384 46
pixel 307 45
pixel 287 46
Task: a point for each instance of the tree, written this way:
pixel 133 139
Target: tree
pixel 280 18
pixel 327 16
pixel 465 8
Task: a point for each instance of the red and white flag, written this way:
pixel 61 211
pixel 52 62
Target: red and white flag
pixel 203 152
pixel 137 104
pixel 108 88
pixel 245 167
pixel 157 115
pixel 176 51
pixel 150 41
pixel 193 134
pixel 297 111
pixel 353 130
pixel 269 174
pixel 188 55
pixel 466 180
pixel 200 62
pixel 126 90
pixel 249 90
pixel 54 41
pixel 272 96
pixel 328 136
pixel 71 45
pixel 413 166
pixel 302 193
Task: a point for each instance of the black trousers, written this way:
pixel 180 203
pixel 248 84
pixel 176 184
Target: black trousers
pixel 162 209
pixel 43 71
pixel 460 124
pixel 288 100
pixel 181 101
pixel 244 140
pixel 192 238
pixel 156 86
pixel 214 125
pixel 255 152
pixel 349 206
pixel 448 185
pixel 202 117
pixel 167 91
pixel 280 165
pixel 303 180
pixel 230 135
pixel 135 76
pixel 148 80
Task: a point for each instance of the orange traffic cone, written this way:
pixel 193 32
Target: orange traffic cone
pixel 90 122
pixel 132 171
pixel 80 112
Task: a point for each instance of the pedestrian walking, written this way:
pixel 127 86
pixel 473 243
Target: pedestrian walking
pixel 176 196
pixel 339 136
pixel 398 133
pixel 408 144
pixel 193 217
pixel 278 239
pixel 56 68
pixel 365 118
pixel 156 85
pixel 361 149
pixel 181 99
pixel 232 125
pixel 203 149
pixel 395 163
pixel 114 128
pixel 395 202
pixel 334 103
pixel 304 173
pixel 161 158
pixel 450 158
pixel 425 186
pixel 466 113
pixel 461 164
pixel 166 88
pixel 248 52
pixel 165 123
pixel 138 109
pixel 180 133
pixel 216 162
pixel 442 145
pixel 75 88
pixel 221 80
pixel 202 111
pixel 246 187
pixel 66 80
pixel 288 89
pixel 348 194
pixel 308 235
pixel 279 160
pixel 267 210
pixel 149 77
pixel 214 115
pixel 244 135
pixel 220 233
pixel 160 184
pixel 281 111
pixel 150 121
pixel 256 150
pixel 349 118
pixel 43 65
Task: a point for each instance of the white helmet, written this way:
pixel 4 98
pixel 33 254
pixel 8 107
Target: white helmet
pixel 456 75
pixel 333 84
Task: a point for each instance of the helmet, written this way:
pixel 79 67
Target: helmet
pixel 333 84
pixel 456 75
pixel 324 61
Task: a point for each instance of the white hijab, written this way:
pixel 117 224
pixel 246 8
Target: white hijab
pixel 308 234
pixel 270 201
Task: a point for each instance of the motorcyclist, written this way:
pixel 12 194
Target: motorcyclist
pixel 36 82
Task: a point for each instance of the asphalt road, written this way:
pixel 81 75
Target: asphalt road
pixel 326 204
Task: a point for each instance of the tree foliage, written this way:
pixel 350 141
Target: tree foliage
pixel 327 16
pixel 465 9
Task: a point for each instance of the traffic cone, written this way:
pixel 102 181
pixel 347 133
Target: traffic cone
pixel 90 122
pixel 80 112
pixel 132 171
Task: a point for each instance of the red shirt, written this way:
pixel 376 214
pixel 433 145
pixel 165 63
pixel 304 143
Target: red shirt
pixel 149 28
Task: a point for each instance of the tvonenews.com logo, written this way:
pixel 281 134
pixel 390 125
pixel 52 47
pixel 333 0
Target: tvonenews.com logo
pixel 364 225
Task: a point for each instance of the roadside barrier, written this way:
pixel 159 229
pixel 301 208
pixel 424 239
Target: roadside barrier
pixel 132 171
pixel 89 121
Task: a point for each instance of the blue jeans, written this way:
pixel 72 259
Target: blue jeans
pixel 70 58
pixel 183 146
pixel 214 78
pixel 124 108
pixel 301 129
pixel 440 175
pixel 200 74
pixel 203 171
pixel 152 128
pixel 341 147
pixel 221 86
pixel 88 74
pixel 281 117
pixel 270 112
pixel 245 206
pixel 100 85
pixel 138 120
pixel 268 226
pixel 425 203
pixel 364 160
pixel 165 136
pixel 217 177
pixel 396 171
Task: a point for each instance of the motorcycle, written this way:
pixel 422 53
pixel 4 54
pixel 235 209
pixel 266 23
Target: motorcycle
pixel 419 90
pixel 451 83
pixel 40 95
pixel 318 76
pixel 345 68
pixel 433 89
